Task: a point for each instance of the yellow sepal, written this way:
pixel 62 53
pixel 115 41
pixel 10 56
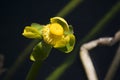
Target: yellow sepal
pixel 31 32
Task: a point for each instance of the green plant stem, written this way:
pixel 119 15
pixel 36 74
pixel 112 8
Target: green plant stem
pixel 33 72
pixel 99 26
pixel 60 70
pixel 69 7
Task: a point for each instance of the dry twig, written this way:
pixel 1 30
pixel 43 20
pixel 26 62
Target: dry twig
pixel 85 57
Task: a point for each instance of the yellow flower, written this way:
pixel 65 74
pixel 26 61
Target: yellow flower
pixel 55 32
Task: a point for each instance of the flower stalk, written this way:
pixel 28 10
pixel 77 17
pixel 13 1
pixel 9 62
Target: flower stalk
pixel 33 73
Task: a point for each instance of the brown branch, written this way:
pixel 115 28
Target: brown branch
pixel 85 57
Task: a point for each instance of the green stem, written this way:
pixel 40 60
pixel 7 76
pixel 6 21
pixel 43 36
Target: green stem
pixel 101 24
pixel 60 70
pixel 33 72
pixel 69 7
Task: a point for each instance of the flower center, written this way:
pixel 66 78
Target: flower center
pixel 52 33
pixel 56 29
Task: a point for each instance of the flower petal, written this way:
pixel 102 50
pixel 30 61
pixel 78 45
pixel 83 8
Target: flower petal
pixel 71 43
pixel 31 32
pixel 61 21
pixel 69 46
pixel 37 26
pixel 62 43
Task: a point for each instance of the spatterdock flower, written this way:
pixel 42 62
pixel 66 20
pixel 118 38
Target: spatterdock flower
pixel 57 34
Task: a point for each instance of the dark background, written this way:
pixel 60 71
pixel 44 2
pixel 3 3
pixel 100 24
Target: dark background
pixel 16 14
